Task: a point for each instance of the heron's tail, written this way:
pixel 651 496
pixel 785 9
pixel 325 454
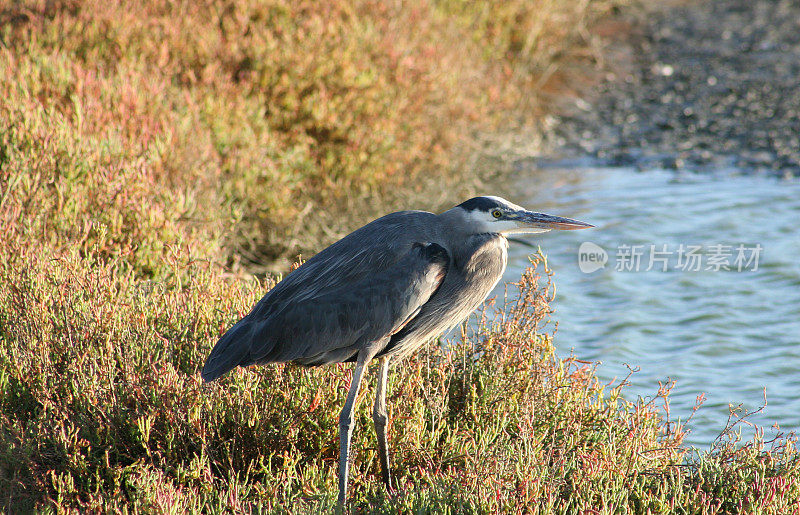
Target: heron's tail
pixel 230 351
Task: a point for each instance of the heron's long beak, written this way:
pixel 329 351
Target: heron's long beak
pixel 543 221
pixel 529 221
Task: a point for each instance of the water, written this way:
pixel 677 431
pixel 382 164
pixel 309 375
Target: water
pixel 727 334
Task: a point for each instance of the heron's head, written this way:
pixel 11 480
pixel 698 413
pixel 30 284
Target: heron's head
pixel 497 215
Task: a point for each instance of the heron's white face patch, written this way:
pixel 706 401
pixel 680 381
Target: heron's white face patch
pixel 485 221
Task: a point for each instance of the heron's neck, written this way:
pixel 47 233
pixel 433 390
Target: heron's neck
pixel 479 252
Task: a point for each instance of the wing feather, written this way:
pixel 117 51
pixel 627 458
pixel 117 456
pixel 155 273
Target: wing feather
pixel 334 325
pixel 336 307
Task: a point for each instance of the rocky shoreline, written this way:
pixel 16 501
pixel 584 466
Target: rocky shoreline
pixel 710 86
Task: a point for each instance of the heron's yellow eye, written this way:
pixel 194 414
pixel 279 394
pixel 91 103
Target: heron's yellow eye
pixel 496 213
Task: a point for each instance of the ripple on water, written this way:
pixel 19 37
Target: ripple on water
pixel 728 334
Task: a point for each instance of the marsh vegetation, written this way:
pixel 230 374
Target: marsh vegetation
pixel 152 157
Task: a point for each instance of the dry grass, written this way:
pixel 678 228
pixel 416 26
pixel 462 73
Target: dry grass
pixel 258 123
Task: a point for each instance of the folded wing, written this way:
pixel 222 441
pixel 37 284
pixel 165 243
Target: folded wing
pixel 337 321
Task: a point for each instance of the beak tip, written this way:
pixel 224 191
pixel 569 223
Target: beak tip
pixel 577 227
pixel 573 225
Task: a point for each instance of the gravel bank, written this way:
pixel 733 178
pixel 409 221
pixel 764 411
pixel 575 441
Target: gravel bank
pixel 712 85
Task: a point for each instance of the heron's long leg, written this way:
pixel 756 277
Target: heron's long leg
pixel 346 429
pixel 380 417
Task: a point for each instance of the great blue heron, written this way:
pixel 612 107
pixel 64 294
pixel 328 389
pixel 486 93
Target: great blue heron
pixel 380 292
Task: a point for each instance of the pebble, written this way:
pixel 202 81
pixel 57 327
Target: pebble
pixel 712 84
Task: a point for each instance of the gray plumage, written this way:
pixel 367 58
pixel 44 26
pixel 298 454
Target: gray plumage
pixel 362 290
pixel 380 292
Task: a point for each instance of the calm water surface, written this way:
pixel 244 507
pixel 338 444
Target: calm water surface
pixel 727 334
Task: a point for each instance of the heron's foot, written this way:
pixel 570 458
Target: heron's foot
pixel 387 482
pixel 394 491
